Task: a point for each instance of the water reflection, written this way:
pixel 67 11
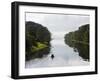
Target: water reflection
pixel 82 49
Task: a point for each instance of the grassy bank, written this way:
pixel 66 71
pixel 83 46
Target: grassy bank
pixel 39 46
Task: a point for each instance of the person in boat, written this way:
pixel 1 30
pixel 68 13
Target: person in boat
pixel 52 56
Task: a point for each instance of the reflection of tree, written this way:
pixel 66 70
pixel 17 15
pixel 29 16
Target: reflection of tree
pixel 82 49
pixel 79 40
pixel 38 40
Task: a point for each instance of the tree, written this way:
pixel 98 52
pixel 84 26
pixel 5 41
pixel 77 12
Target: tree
pixel 82 34
pixel 37 37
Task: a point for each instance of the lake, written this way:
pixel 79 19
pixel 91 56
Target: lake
pixel 64 55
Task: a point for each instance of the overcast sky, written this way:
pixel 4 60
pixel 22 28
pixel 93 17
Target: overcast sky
pixel 58 23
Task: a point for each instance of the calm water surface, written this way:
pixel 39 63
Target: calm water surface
pixel 63 56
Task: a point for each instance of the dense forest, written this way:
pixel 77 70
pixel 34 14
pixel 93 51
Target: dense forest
pixel 79 40
pixel 37 40
pixel 81 35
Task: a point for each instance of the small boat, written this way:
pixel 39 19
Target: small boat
pixel 52 56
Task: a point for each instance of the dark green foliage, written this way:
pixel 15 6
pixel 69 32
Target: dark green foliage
pixel 38 32
pixel 82 49
pixel 40 54
pixel 37 38
pixel 79 40
pixel 82 35
pixel 43 35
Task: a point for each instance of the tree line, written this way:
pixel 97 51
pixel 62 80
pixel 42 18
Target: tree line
pixel 81 35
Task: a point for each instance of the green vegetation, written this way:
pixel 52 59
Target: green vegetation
pixel 37 38
pixel 80 36
pixel 38 47
pixel 79 40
